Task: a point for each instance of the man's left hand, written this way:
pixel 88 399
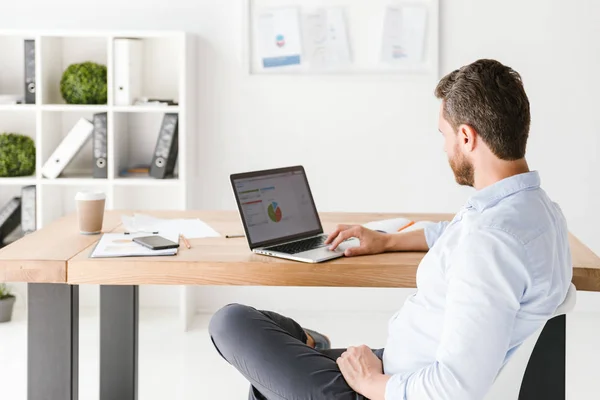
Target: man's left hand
pixel 361 368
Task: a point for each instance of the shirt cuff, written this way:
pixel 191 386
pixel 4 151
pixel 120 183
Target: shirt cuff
pixel 395 388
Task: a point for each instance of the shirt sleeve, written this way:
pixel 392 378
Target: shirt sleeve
pixel 433 231
pixel 487 278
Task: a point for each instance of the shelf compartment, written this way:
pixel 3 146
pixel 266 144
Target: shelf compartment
pixel 58 53
pixel 12 65
pixel 135 136
pixel 7 194
pixel 161 63
pixel 55 127
pixel 23 124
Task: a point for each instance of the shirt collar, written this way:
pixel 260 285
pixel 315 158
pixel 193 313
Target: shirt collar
pixel 491 195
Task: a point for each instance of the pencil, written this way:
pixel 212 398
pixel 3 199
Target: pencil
pixel 411 223
pixel 234 236
pixel 185 241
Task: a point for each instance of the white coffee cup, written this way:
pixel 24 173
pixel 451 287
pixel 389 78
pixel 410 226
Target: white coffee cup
pixel 90 211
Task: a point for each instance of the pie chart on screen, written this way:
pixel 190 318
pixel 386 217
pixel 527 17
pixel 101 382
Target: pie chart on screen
pixel 274 212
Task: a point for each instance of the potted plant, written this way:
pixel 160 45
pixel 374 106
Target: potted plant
pixel 17 155
pixel 84 83
pixel 7 302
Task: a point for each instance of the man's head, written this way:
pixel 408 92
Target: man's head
pixel 484 117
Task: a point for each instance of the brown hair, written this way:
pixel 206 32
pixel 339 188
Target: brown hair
pixel 489 97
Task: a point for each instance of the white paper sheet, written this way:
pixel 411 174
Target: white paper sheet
pixel 325 39
pixel 392 225
pixel 192 228
pixel 122 245
pixel 404 30
pixel 278 39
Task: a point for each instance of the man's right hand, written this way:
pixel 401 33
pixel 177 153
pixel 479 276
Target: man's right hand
pixel 371 242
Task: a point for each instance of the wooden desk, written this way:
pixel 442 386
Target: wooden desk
pixel 220 261
pixel 59 254
pixel 42 256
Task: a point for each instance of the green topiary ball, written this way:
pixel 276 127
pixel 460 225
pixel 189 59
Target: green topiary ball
pixel 17 155
pixel 84 83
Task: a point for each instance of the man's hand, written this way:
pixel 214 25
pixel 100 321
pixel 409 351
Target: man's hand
pixel 363 371
pixel 371 242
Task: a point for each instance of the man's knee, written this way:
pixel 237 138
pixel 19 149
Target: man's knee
pixel 227 326
pixel 228 320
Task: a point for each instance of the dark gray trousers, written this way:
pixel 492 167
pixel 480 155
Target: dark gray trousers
pixel 270 351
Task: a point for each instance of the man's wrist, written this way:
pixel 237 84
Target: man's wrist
pixel 389 242
pixel 409 241
pixel 374 386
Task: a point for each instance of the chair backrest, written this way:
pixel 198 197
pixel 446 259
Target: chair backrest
pixel 508 382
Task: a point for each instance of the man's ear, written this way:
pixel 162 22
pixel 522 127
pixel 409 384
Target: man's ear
pixel 467 137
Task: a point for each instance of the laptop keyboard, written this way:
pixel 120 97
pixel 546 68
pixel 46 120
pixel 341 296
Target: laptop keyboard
pixel 300 245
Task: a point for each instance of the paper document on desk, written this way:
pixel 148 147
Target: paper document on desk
pixel 191 228
pixel 122 245
pixel 392 225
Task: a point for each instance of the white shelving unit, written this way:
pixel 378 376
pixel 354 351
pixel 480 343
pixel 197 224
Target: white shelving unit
pixel 168 71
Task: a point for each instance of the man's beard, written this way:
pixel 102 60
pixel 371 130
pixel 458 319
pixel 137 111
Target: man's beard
pixel 463 169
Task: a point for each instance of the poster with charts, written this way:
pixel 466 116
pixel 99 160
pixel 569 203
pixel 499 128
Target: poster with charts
pixel 404 29
pixel 325 39
pixel 279 42
pixel 342 37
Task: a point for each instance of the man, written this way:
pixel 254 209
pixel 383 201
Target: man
pixel 491 277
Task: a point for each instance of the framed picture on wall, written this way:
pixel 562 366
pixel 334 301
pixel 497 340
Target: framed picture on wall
pixel 341 37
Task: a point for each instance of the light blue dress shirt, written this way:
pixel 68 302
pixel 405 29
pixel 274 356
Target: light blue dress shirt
pixel 492 277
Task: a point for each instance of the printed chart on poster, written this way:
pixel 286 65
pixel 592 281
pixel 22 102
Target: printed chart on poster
pixel 342 36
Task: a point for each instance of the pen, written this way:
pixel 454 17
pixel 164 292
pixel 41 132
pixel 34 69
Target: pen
pixel 129 233
pixel 411 223
pixel 233 236
pixel 185 241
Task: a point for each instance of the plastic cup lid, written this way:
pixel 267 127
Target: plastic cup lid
pixel 90 195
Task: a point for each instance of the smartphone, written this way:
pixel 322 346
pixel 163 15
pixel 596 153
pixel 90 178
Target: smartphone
pixel 156 242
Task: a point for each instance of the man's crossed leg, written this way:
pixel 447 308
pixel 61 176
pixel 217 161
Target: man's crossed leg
pixel 270 350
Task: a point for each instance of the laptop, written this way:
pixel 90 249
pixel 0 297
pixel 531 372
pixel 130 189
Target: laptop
pixel 279 215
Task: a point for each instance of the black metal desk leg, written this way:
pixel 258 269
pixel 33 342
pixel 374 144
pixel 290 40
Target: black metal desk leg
pixel 118 342
pixel 52 341
pixel 545 375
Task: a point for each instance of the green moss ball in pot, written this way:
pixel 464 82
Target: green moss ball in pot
pixel 17 155
pixel 84 83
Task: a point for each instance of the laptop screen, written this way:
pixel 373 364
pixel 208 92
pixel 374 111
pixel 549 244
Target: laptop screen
pixel 275 205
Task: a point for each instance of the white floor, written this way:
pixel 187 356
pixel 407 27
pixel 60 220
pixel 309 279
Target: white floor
pixel 172 364
pixel 177 365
